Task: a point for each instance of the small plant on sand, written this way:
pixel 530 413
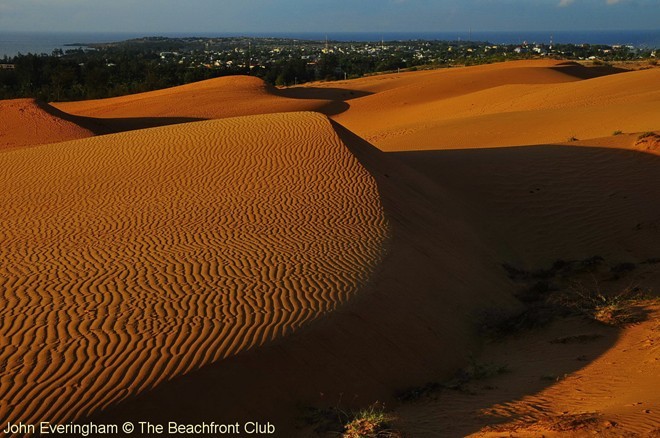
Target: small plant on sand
pixel 617 132
pixel 611 309
pixel 644 135
pixel 372 422
pixel 572 138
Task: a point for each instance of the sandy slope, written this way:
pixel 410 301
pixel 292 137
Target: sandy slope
pixel 568 201
pixel 28 122
pixel 618 388
pixel 211 99
pixel 511 104
pixel 575 378
pixel 542 204
pixel 412 322
pixel 131 258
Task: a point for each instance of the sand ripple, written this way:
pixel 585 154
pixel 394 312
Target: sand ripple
pixel 132 258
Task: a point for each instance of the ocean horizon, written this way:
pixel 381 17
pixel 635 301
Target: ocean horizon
pixel 13 43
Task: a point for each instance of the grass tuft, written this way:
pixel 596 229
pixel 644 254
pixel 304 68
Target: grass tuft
pixel 611 309
pixel 372 422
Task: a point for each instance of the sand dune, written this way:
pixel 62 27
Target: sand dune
pixel 412 322
pixel 511 104
pixel 211 99
pixel 252 265
pixel 541 204
pixel 132 258
pixel 29 122
pixel 451 82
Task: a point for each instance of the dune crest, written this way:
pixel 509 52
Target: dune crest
pixel 512 104
pixel 223 97
pixel 131 258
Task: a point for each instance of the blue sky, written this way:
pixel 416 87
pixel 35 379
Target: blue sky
pixel 325 15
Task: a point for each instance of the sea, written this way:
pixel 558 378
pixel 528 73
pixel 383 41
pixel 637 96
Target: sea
pixel 13 43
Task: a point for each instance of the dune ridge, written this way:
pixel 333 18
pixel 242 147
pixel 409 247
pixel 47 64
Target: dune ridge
pixel 132 258
pixel 222 97
pixel 30 123
pixel 411 323
pixel 512 104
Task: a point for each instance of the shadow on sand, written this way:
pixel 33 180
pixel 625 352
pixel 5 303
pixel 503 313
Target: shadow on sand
pixel 414 322
pixel 582 72
pixel 337 98
pixel 102 126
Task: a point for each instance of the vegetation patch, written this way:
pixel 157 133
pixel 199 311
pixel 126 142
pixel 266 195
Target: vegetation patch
pixel 649 140
pixel 617 309
pixel 372 422
pixel 571 287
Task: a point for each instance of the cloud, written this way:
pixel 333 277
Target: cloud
pixel 564 3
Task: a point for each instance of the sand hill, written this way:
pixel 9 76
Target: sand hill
pixel 512 104
pixel 32 123
pixel 211 99
pixel 29 122
pixel 262 265
pixel 132 258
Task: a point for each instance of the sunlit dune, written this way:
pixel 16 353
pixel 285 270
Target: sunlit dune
pixel 333 244
pixel 28 122
pixel 211 99
pixel 131 258
pixel 504 105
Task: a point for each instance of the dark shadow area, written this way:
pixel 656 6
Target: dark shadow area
pixel 337 98
pixel 113 125
pixel 333 108
pixel 515 369
pixel 339 94
pixel 552 202
pixel 583 72
pixel 558 211
pixel 101 126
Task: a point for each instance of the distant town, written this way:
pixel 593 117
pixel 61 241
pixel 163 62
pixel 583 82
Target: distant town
pixel 119 68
